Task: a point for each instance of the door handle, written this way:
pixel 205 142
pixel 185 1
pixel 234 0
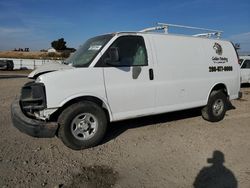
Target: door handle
pixel 151 74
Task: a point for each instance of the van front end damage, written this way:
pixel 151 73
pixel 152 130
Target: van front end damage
pixel 33 97
pixel 23 109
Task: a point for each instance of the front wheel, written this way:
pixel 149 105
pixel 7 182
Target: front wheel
pixel 82 125
pixel 215 109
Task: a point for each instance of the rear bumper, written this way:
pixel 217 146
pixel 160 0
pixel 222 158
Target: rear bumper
pixel 30 126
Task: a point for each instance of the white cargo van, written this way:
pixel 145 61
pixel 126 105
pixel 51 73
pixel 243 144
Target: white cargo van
pixel 126 75
pixel 245 69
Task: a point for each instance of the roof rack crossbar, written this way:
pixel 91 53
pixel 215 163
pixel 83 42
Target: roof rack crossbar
pixel 154 29
pixel 208 35
pixel 188 27
pixel 165 27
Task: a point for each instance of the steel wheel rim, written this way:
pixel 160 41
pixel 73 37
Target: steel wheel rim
pixel 84 126
pixel 218 107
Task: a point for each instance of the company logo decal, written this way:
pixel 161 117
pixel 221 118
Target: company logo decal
pixel 218 49
pixel 220 61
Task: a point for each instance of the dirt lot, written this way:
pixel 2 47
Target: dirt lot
pixel 169 150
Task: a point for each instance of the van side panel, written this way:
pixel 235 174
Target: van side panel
pixel 182 72
pixel 230 78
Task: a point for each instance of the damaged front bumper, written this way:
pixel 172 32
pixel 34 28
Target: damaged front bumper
pixel 32 127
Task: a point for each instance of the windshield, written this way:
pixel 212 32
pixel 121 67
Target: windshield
pixel 88 51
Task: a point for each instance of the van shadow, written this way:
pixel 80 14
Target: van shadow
pixel 117 128
pixel 216 175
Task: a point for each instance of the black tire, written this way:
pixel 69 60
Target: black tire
pixel 68 128
pixel 215 109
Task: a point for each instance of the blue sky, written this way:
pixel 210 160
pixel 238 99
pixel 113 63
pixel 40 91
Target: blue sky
pixel 34 23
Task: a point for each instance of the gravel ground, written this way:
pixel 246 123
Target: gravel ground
pixel 171 150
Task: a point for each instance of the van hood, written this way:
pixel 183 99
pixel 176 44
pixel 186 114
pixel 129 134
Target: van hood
pixel 50 67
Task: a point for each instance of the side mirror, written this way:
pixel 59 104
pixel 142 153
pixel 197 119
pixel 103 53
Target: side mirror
pixel 113 56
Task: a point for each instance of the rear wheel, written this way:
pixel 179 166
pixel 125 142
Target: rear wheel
pixel 82 125
pixel 216 107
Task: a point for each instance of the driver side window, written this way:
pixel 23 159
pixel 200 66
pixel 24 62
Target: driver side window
pixel 131 52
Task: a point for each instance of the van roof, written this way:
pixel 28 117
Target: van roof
pixel 163 34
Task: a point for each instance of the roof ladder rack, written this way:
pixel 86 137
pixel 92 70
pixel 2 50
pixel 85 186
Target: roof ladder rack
pixel 165 27
pixel 157 28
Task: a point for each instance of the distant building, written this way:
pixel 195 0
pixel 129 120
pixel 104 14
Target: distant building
pixel 51 50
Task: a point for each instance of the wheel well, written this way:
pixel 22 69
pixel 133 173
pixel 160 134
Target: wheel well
pixel 221 87
pixel 96 100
